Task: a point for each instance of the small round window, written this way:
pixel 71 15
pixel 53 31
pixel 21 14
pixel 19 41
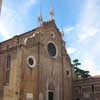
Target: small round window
pixel 68 73
pixel 31 61
pixel 52 49
pixel 52 34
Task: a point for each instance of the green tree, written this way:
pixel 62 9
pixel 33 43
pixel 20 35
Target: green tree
pixel 79 73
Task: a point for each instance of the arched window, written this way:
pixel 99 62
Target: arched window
pixel 52 49
pixel 8 63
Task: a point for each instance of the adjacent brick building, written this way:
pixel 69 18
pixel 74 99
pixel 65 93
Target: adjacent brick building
pixel 86 89
pixel 35 66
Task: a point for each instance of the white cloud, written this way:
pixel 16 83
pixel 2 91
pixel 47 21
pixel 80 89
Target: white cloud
pixel 11 19
pixel 88 32
pixel 89 65
pixel 71 50
pixel 89 22
pixel 4 33
pixel 68 29
pixel 7 21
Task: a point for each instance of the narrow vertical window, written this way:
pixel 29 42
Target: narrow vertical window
pixel 8 67
pixel 92 88
pixel 50 96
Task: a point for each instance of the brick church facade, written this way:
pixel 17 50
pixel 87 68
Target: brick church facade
pixel 35 66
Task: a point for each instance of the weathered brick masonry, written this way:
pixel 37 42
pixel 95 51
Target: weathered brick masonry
pixel 35 66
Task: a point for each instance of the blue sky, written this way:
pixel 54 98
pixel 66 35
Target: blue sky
pixel 79 18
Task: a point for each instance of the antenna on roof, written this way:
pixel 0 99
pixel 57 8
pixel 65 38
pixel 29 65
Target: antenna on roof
pixel 51 11
pixel 0 6
pixel 40 18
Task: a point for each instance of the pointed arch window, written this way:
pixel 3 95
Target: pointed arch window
pixel 8 64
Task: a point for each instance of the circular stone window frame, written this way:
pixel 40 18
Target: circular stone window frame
pixel 55 47
pixel 52 34
pixel 34 60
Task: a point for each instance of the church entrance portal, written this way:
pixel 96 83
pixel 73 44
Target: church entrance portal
pixel 50 95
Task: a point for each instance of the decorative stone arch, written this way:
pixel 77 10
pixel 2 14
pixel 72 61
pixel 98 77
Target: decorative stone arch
pixel 51 86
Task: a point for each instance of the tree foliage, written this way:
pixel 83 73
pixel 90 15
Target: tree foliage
pixel 79 73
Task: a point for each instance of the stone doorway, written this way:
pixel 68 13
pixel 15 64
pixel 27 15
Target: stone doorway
pixel 51 92
pixel 50 95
